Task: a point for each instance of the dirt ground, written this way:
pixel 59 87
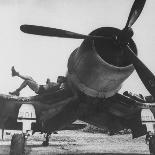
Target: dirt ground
pixel 78 142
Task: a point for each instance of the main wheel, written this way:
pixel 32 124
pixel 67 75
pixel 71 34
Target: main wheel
pixel 45 143
pixel 152 145
pixel 47 136
pixel 17 144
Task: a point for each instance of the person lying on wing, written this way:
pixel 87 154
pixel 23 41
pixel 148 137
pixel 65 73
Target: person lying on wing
pixel 38 89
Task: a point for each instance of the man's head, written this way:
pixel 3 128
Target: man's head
pixel 48 81
pixel 61 79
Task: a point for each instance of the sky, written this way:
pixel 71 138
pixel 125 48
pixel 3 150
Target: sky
pixel 46 57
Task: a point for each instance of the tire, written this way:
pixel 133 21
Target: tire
pixel 152 145
pixel 17 144
pixel 45 143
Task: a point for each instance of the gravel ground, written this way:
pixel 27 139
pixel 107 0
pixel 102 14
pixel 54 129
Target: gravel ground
pixel 78 142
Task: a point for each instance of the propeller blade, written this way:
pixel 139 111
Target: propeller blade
pixel 47 31
pixel 136 10
pixel 146 76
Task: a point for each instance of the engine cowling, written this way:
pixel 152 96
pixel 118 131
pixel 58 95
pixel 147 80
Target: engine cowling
pixel 99 66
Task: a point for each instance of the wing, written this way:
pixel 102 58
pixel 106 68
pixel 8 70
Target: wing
pixel 117 113
pixel 128 110
pixel 51 114
pixel 124 106
pixel 9 112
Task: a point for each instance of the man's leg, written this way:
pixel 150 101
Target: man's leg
pixel 17 91
pixel 27 81
pixel 32 84
pixel 24 77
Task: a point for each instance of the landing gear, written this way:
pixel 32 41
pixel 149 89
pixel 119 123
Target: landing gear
pixel 148 119
pixel 18 144
pixel 150 140
pixel 152 145
pixel 46 142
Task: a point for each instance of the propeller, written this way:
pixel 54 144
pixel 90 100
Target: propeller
pixel 144 73
pixel 146 76
pixel 136 10
pixel 47 31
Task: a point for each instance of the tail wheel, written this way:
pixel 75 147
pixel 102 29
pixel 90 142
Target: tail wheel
pixel 17 144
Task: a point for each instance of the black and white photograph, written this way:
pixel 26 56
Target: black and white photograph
pixel 77 77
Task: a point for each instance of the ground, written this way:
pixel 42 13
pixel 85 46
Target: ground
pixel 78 142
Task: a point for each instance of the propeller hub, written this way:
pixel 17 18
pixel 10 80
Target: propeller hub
pixel 125 35
pixel 128 32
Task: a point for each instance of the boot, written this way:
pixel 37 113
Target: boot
pixel 14 72
pixel 15 93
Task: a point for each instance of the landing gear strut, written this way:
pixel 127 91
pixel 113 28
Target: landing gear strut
pixel 150 140
pixel 148 119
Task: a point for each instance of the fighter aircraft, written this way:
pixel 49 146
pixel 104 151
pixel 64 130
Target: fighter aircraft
pixel 96 71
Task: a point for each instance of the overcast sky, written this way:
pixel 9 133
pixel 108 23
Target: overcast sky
pixel 43 57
